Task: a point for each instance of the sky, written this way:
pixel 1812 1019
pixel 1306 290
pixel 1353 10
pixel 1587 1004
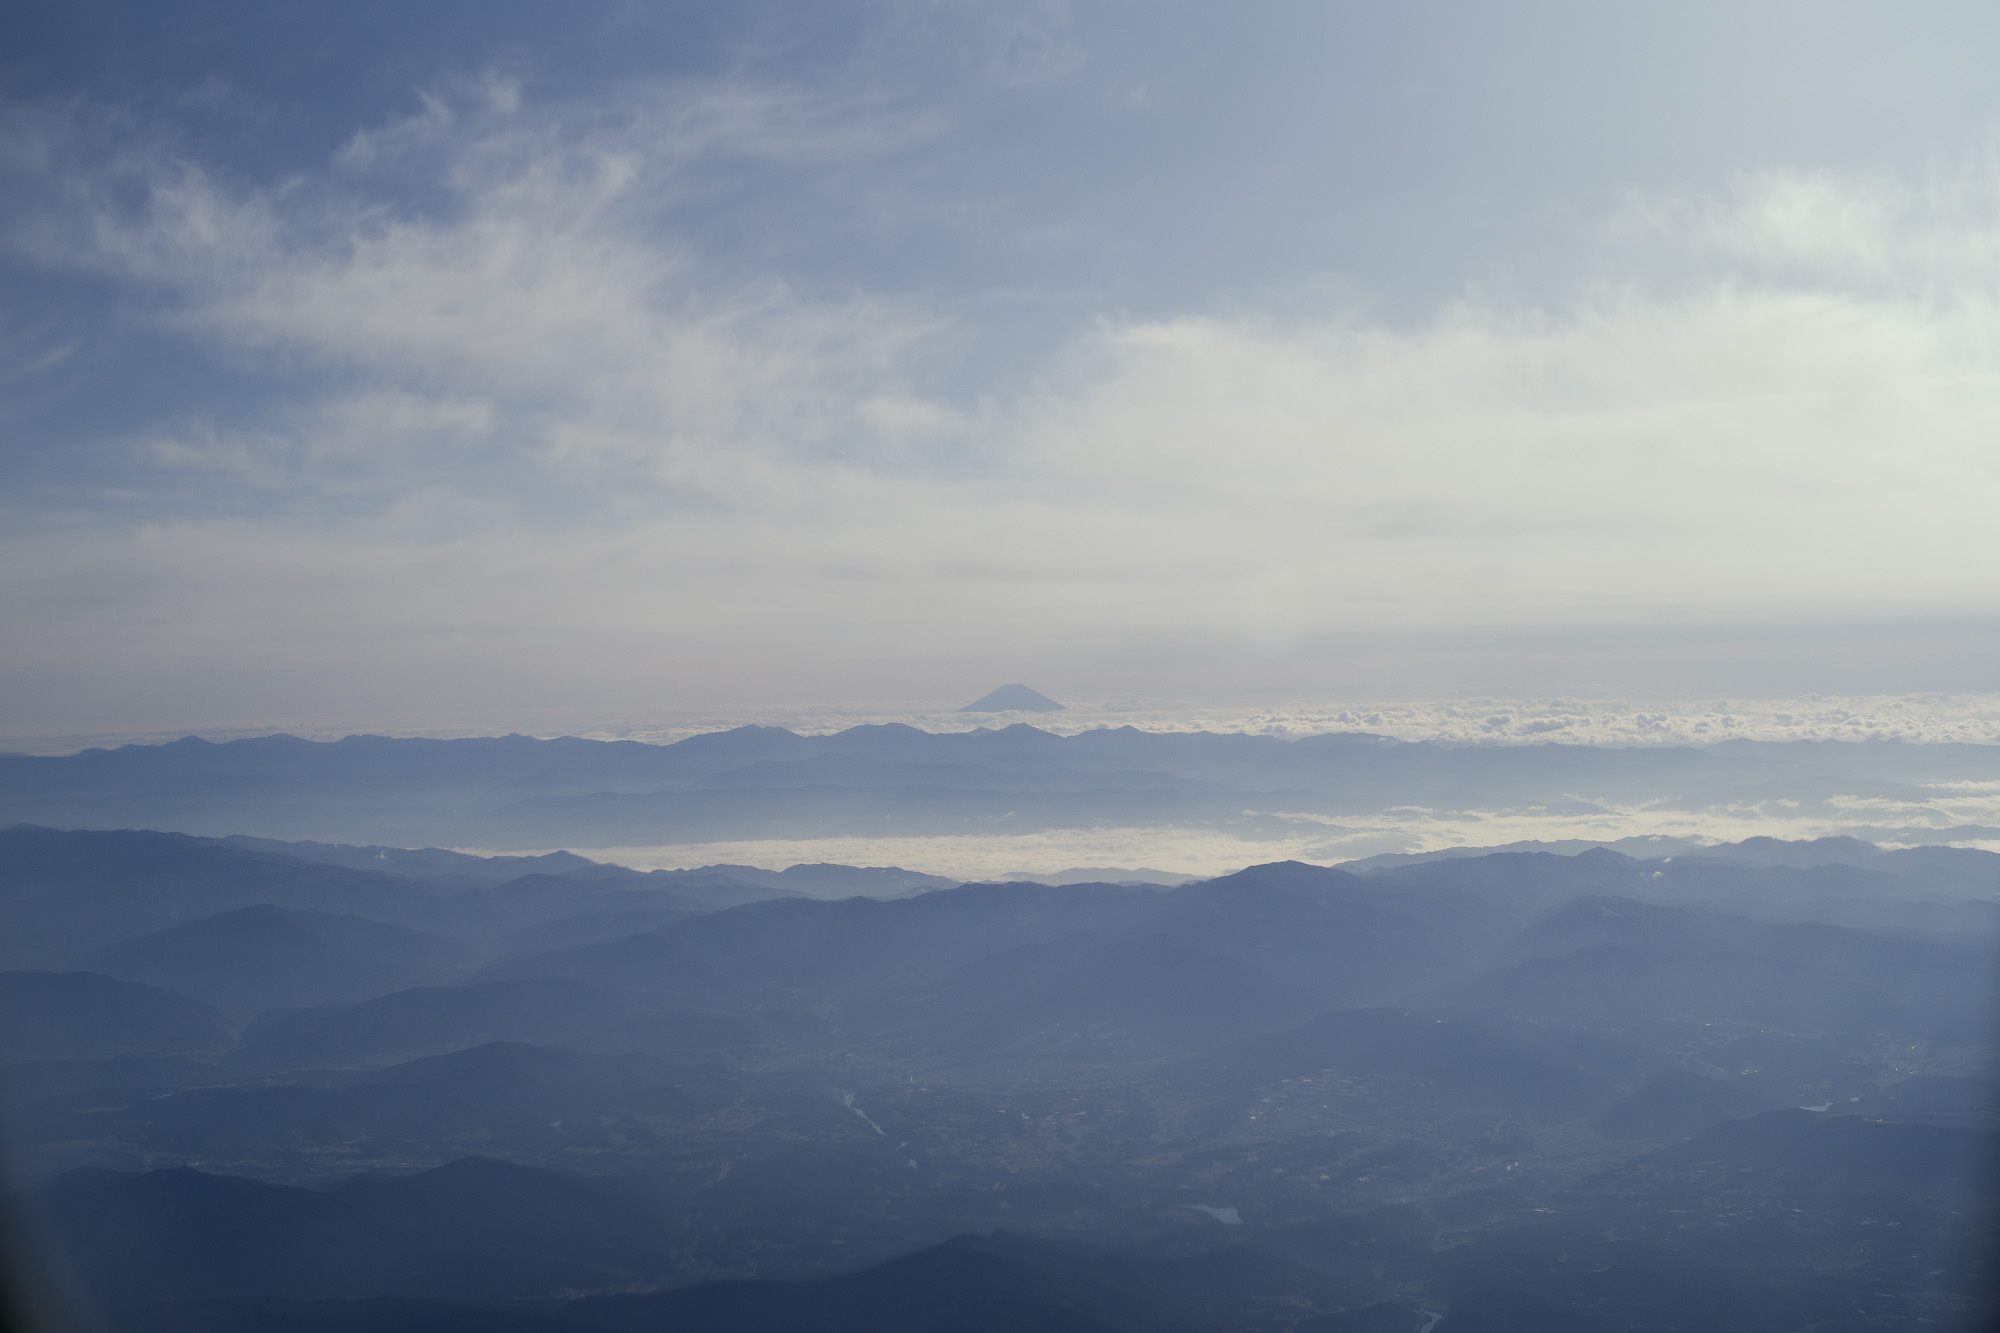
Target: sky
pixel 488 362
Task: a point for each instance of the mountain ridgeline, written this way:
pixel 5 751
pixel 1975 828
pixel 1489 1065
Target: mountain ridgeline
pixel 342 1087
pixel 520 793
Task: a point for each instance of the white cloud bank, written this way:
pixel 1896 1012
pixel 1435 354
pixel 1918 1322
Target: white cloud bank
pixel 546 451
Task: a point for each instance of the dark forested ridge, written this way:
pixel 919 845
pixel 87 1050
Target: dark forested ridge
pixel 344 1088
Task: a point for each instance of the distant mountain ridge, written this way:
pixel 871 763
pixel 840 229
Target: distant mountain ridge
pixel 517 793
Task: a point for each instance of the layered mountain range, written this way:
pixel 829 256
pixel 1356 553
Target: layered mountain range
pixel 346 1087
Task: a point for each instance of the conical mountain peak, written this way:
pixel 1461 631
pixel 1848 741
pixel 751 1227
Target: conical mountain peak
pixel 1013 699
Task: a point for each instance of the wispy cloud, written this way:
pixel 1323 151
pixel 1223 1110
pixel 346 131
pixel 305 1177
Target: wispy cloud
pixel 1937 240
pixel 527 304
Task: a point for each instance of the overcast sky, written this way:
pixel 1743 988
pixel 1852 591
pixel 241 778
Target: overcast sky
pixel 508 360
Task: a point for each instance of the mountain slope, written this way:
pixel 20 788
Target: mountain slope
pixel 88 1016
pixel 250 959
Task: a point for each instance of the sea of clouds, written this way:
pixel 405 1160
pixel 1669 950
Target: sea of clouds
pixel 1915 718
pixel 1947 812
pixel 1927 718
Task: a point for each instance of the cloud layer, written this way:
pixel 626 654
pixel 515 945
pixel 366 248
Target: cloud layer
pixel 510 433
